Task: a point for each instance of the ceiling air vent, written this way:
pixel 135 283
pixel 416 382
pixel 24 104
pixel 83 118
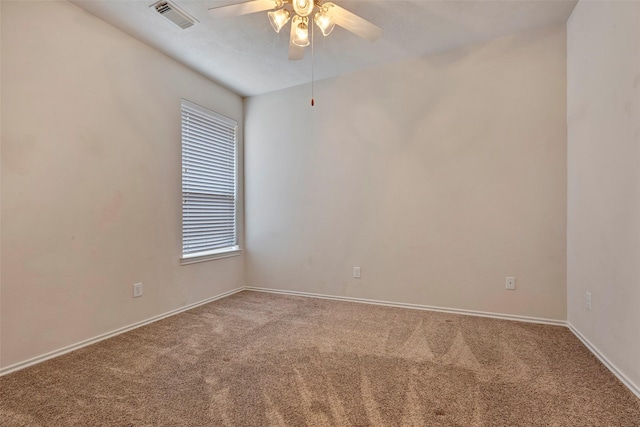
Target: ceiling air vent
pixel 174 14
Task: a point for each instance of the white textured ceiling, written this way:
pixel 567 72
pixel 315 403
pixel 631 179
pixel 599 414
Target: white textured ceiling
pixel 244 53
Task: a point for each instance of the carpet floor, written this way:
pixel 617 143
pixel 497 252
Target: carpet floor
pixel 257 359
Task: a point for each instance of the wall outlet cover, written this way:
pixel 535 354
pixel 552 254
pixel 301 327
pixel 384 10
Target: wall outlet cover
pixel 137 290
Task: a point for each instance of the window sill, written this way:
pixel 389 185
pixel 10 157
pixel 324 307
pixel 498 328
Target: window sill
pixel 210 255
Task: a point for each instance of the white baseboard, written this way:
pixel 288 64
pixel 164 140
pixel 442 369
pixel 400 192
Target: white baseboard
pixel 635 389
pixel 415 306
pixel 64 350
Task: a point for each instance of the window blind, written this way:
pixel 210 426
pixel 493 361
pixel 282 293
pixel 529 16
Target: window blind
pixel 208 181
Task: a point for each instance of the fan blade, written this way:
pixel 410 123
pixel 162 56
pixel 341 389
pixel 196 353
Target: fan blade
pixel 295 52
pixel 352 22
pixel 242 8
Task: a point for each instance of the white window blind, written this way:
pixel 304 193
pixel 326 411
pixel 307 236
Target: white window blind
pixel 208 181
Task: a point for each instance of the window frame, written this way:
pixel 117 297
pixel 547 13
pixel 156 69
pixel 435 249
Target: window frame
pixel 225 252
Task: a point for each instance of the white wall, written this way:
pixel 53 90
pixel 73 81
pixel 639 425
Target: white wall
pixel 438 176
pixel 603 245
pixel 91 180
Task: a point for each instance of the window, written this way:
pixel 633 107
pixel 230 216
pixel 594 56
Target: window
pixel 209 177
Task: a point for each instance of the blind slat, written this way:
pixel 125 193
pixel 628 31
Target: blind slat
pixel 203 178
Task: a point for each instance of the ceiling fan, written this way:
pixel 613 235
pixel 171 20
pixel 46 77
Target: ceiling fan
pixel 325 15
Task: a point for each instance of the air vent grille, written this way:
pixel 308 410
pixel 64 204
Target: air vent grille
pixel 174 14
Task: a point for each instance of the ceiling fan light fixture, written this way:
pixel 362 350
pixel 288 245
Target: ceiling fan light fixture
pixel 325 21
pixel 279 18
pixel 301 35
pixel 303 7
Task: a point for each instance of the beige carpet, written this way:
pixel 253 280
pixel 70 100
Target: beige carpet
pixel 256 359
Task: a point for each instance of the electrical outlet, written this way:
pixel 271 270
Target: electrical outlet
pixel 511 283
pixel 356 272
pixel 137 290
pixel 587 301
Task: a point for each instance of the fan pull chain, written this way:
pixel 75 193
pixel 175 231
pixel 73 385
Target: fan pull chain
pixel 312 57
